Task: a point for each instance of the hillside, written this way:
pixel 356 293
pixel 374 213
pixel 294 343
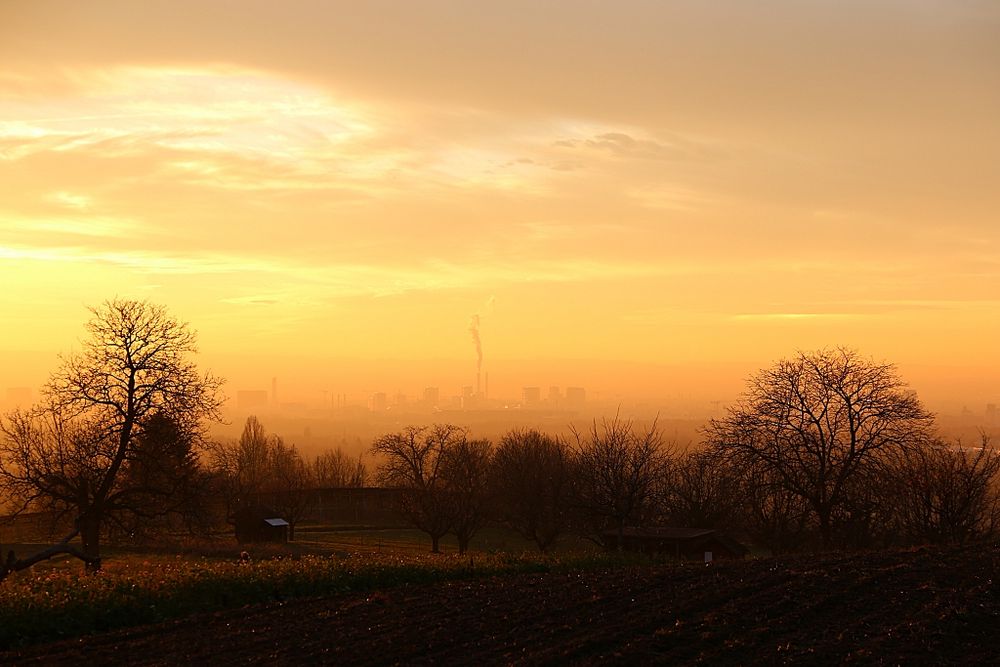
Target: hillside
pixel 917 606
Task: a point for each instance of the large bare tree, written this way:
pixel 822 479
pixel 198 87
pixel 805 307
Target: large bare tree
pixel 70 451
pixel 816 420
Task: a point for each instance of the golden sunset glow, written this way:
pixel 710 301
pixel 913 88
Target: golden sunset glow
pixel 643 198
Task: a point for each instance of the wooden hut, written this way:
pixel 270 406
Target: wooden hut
pixel 259 523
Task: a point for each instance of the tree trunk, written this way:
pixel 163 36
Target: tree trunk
pixel 434 544
pixel 825 530
pixel 463 543
pixel 90 536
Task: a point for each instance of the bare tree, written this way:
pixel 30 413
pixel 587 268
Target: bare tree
pixel 949 494
pixel 531 479
pixel 617 471
pixel 412 463
pixel 702 491
pixel 243 467
pixel 71 450
pixel 335 469
pixel 816 420
pixel 465 471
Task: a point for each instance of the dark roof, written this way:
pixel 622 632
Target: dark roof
pixel 671 534
pixel 665 533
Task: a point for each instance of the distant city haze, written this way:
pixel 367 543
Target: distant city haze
pixel 646 201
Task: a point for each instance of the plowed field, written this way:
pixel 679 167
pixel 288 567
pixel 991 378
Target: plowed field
pixel 913 607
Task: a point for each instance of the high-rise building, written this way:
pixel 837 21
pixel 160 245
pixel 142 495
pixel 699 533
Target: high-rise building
pixel 432 396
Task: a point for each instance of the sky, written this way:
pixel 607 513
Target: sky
pixel 628 195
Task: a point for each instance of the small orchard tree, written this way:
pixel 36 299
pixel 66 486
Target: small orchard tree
pixel 816 421
pixel 72 450
pixel 531 476
pixel 465 472
pixel 412 462
pixel 618 467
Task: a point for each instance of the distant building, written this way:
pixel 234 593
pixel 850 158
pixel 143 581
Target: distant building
pixel 531 396
pixel 432 396
pixel 379 402
pixel 555 396
pixel 251 399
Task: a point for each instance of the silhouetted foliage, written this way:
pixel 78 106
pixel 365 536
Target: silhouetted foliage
pixel 163 487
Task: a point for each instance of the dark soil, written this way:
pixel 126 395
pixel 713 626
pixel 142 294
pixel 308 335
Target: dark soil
pixel 926 606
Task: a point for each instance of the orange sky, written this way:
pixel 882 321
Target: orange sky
pixel 327 184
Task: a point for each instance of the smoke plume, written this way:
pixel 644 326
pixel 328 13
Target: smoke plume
pixel 474 330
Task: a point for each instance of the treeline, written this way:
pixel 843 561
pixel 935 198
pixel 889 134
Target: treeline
pixel 618 475
pixel 825 450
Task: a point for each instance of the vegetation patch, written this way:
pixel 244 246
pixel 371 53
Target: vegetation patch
pixel 47 606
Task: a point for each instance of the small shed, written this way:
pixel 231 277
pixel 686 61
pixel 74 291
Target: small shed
pixel 702 544
pixel 260 524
